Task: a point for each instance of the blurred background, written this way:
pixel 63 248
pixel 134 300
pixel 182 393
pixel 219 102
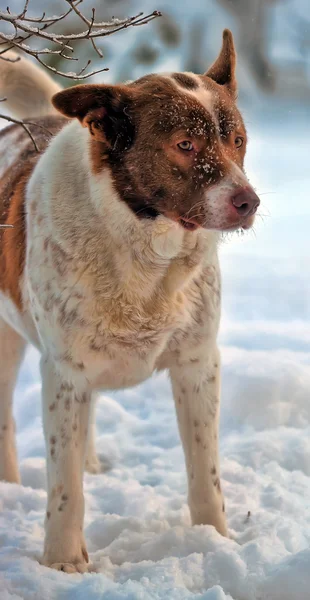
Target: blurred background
pixel 272 38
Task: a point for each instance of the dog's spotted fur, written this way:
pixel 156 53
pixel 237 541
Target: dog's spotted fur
pixel 13 182
pixel 111 271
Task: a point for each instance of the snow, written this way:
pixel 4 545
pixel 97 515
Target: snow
pixel 137 523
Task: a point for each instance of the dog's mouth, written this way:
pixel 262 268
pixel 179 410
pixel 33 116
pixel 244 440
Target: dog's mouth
pixel 192 224
pixel 188 224
pixel 243 224
pixel 185 222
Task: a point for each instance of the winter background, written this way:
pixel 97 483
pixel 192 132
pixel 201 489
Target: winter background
pixel 137 523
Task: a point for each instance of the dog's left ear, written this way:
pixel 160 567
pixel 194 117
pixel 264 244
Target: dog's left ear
pixel 223 69
pixel 104 109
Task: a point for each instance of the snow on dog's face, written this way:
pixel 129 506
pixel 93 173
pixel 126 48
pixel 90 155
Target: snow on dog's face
pixel 174 144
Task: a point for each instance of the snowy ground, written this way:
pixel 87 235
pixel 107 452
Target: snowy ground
pixel 137 520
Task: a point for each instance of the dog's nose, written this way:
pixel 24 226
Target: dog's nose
pixel 245 201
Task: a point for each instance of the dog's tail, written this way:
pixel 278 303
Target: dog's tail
pixel 26 87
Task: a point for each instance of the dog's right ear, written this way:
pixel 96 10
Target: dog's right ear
pixel 104 109
pixel 223 69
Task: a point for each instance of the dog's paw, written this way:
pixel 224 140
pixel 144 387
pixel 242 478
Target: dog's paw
pixel 67 567
pixel 71 558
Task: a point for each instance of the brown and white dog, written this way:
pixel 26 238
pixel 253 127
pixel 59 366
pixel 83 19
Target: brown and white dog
pixel 111 266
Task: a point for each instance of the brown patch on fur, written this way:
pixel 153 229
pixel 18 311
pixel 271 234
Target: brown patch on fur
pixel 12 203
pixel 53 439
pixel 67 387
pixel 79 366
pixel 48 514
pixel 59 258
pixel 197 438
pixel 52 406
pixel 33 207
pixel 64 499
pixel 46 243
pixel 83 399
pixel 217 484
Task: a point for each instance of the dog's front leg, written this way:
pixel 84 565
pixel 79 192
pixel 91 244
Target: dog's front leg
pixel 195 383
pixel 66 405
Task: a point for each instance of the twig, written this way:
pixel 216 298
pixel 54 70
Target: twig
pixel 24 125
pixel 77 76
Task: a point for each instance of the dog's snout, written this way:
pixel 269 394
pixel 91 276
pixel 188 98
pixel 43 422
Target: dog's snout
pixel 245 201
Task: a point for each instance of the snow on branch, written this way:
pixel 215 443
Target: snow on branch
pixel 26 27
pixel 41 28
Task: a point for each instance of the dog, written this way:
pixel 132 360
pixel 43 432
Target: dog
pixel 110 267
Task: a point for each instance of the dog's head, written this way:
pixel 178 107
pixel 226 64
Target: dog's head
pixel 174 144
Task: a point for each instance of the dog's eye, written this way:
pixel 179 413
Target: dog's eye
pixel 186 145
pixel 239 141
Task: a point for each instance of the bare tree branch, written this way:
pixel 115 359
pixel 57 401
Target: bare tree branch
pixel 23 24
pixel 39 28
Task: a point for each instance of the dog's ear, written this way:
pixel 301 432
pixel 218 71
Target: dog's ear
pixel 104 109
pixel 223 69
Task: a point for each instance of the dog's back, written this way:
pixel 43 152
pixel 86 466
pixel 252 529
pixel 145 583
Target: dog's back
pixel 28 91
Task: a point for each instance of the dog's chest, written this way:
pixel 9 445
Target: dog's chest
pixel 122 347
pixel 114 341
pixel 96 316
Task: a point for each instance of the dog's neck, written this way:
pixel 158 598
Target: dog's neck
pixel 151 252
pixel 99 231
